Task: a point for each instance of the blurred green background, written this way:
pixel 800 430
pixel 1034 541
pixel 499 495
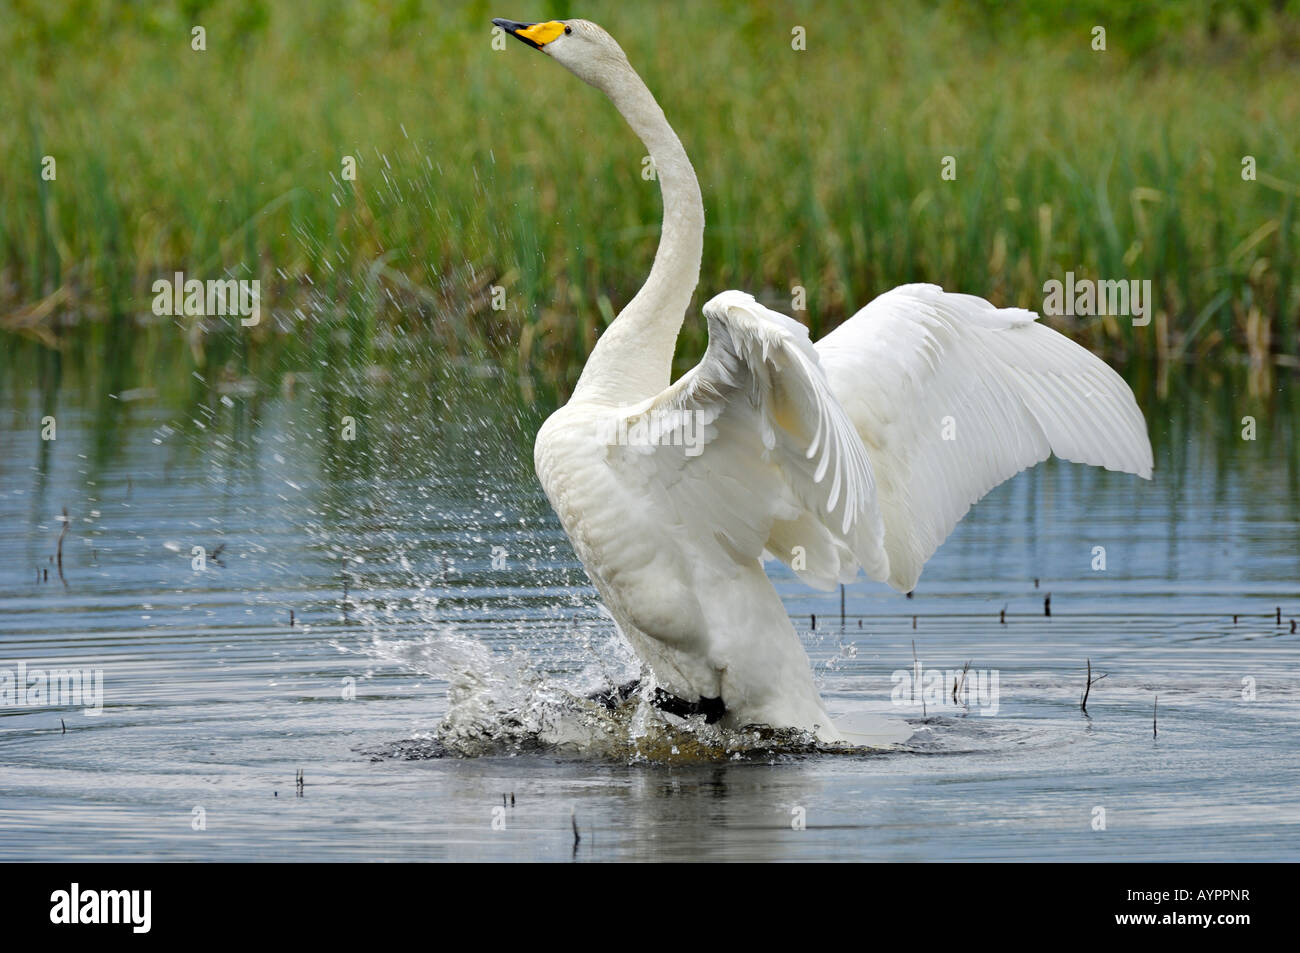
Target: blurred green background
pixel 478 167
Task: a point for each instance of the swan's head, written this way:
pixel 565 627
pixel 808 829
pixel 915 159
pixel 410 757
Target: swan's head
pixel 581 47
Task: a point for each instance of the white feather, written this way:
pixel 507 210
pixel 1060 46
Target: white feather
pixel 1015 392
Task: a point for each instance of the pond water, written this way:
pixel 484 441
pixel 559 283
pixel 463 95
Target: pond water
pixel 400 618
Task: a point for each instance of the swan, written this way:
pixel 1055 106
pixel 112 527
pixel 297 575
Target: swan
pixel 862 451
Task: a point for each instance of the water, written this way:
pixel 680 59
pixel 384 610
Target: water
pixel 383 551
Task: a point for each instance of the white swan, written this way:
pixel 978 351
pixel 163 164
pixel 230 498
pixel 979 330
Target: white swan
pixel 829 457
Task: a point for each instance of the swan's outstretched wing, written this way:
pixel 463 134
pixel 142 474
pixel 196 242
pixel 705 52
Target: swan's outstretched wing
pixel 751 450
pixel 952 396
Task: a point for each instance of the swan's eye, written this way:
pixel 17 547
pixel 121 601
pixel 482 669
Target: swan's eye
pixel 568 29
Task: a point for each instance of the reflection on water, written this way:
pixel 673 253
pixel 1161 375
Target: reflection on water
pixel 359 593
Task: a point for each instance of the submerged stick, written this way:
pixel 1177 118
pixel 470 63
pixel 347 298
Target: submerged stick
pixel 1047 605
pixel 64 532
pixel 1155 712
pixel 959 687
pixel 1087 689
pixel 573 819
pixel 916 670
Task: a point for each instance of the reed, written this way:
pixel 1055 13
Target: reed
pixel 479 168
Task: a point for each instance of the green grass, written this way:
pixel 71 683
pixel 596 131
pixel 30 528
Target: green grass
pixel 476 167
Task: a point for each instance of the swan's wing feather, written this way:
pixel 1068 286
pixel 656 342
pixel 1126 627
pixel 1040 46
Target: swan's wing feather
pixel 919 364
pixel 752 444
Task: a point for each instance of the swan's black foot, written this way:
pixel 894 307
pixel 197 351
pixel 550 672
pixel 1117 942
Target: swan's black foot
pixel 711 708
pixel 611 698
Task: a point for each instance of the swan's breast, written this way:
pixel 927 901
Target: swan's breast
pixel 636 554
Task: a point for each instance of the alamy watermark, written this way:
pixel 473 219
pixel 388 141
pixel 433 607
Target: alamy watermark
pixel 25 687
pixel 190 296
pixel 660 428
pixel 933 688
pixel 76 905
pixel 1088 297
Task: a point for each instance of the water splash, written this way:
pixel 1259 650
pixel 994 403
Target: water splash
pixel 501 704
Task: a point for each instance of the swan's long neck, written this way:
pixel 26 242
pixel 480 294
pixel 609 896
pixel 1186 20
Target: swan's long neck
pixel 633 358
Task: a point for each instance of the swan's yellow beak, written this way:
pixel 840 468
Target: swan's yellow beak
pixel 535 35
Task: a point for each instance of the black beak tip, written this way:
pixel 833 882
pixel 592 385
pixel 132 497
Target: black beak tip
pixel 513 27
